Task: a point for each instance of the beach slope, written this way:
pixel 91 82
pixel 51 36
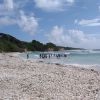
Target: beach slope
pixel 22 79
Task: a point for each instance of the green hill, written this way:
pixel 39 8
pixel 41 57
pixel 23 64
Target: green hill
pixel 9 43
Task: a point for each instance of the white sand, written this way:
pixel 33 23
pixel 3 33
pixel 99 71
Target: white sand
pixel 33 80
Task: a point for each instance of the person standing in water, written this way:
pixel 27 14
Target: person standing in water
pixel 27 55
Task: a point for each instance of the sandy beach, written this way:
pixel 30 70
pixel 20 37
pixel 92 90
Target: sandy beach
pixel 22 79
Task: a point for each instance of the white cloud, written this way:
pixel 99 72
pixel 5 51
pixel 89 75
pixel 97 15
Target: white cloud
pixel 9 5
pixel 20 4
pixel 53 5
pixel 29 24
pixel 76 21
pixel 70 1
pixel 9 15
pixel 6 21
pixel 99 8
pixel 57 36
pixel 74 38
pixel 89 22
pixel 6 7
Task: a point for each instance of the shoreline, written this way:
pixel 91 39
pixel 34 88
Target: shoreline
pixel 46 60
pixel 22 79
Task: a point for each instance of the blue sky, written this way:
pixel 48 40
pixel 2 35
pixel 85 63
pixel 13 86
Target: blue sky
pixel 64 22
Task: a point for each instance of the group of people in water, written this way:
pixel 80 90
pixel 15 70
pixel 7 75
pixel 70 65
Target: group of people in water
pixel 50 55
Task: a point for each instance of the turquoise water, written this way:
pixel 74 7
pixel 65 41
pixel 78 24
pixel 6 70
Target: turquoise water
pixel 85 57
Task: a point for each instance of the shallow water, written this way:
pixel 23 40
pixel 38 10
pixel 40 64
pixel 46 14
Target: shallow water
pixel 81 57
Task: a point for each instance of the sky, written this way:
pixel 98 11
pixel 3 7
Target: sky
pixel 74 23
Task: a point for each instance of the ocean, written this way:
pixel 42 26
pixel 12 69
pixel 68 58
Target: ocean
pixel 75 57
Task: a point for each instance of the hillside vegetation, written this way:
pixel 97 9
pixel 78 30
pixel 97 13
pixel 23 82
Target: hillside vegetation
pixel 9 43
